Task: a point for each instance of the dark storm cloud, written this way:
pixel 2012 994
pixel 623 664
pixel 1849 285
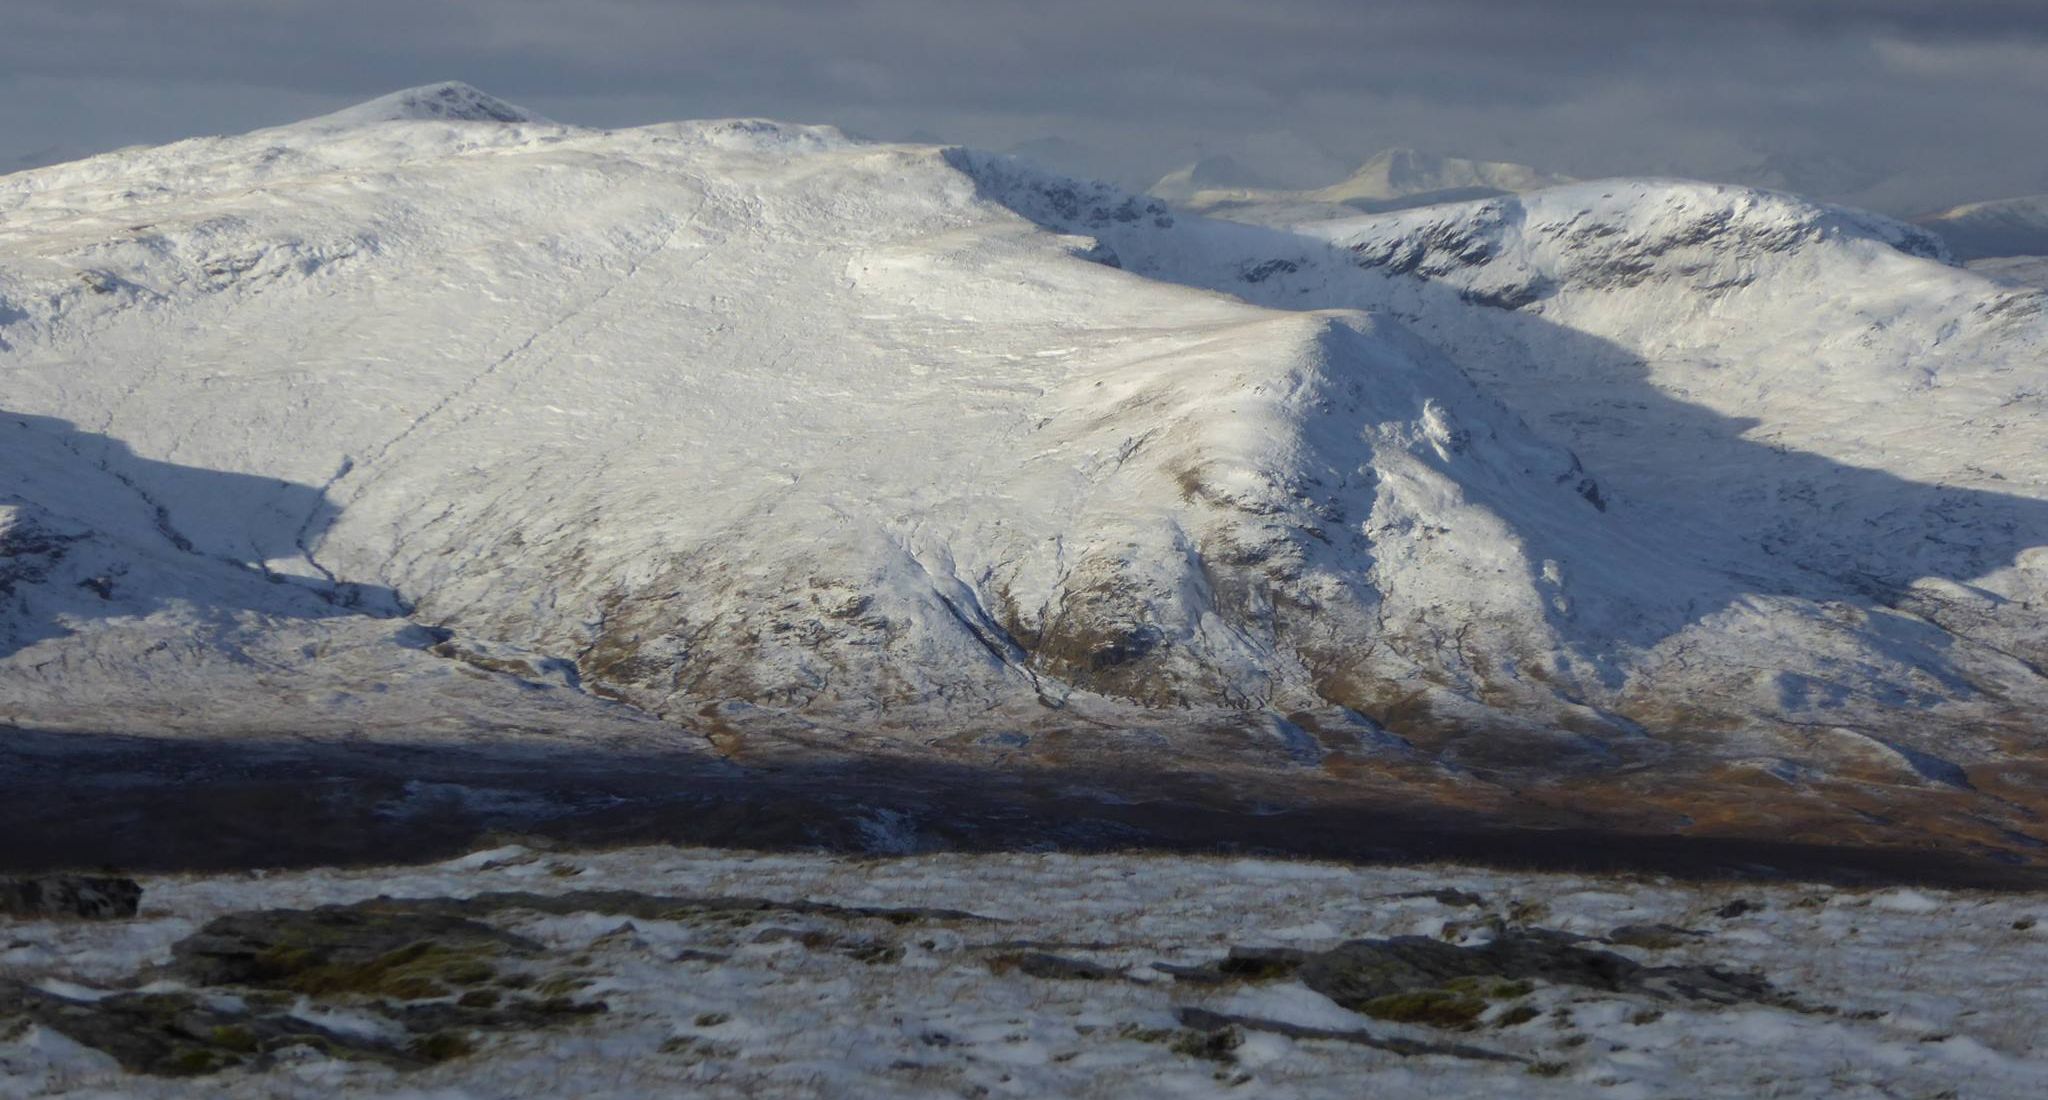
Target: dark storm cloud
pixel 1898 100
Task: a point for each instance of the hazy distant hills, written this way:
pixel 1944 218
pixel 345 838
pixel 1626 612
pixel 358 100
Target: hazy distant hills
pixel 1998 228
pixel 1392 180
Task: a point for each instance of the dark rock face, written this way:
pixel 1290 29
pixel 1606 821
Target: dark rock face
pixel 1259 273
pixel 1440 246
pixel 29 551
pixel 83 896
pixel 1070 202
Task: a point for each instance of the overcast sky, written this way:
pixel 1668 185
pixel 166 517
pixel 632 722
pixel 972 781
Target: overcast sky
pixel 1900 104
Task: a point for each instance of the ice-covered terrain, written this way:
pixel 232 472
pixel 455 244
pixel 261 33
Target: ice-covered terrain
pixel 433 417
pixel 661 972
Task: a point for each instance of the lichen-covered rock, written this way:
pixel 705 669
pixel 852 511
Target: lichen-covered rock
pixel 1418 976
pixel 442 981
pixel 181 1034
pixel 399 951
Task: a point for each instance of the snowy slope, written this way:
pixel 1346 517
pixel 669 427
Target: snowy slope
pixel 1789 397
pixel 744 423
pixel 1999 228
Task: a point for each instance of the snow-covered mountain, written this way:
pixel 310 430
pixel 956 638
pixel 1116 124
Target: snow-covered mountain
pixel 1996 229
pixel 1728 507
pixel 1394 179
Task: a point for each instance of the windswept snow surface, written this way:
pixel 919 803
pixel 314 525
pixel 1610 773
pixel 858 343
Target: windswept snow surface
pixel 1878 993
pixel 436 415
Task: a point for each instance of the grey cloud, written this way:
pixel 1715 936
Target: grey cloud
pixel 1931 97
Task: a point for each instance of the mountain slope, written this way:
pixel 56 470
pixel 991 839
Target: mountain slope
pixel 1686 493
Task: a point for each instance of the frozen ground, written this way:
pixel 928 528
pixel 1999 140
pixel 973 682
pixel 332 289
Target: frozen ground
pixel 1068 987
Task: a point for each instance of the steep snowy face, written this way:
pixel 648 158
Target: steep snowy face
pixel 1814 446
pixel 748 425
pixel 1726 313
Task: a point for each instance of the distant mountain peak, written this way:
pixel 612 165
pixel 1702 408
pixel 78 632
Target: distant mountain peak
pixel 451 101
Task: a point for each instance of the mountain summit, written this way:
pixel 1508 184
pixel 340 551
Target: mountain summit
pixel 449 101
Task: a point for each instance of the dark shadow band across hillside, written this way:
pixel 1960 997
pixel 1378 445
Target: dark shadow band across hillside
pixel 141 804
